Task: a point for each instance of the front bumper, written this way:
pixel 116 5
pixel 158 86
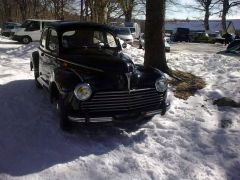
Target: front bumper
pixel 127 117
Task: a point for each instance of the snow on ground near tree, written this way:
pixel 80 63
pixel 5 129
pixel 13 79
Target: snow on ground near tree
pixel 186 143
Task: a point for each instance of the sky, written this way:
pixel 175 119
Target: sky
pixel 184 13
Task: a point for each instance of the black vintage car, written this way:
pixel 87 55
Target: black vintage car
pixel 90 79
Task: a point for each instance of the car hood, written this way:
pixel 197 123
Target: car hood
pixel 102 61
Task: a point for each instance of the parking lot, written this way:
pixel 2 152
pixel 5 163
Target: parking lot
pixel 193 47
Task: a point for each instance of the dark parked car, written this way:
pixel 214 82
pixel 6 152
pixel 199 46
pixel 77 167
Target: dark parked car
pixel 91 80
pixel 181 34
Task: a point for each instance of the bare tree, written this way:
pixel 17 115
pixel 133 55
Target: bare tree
pixel 206 6
pixel 127 8
pixel 154 35
pixel 6 9
pixel 226 6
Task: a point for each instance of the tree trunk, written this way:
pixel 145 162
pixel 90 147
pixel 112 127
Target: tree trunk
pixel 82 11
pixel 128 15
pixel 225 10
pixel 206 19
pixel 154 35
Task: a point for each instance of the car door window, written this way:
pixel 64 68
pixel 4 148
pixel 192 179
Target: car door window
pixel 33 26
pixel 53 41
pixel 43 38
pixel 111 41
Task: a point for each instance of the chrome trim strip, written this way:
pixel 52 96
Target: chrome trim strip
pixel 151 113
pixel 97 119
pixel 131 91
pixel 95 69
pixel 77 119
pixel 101 119
pixel 75 72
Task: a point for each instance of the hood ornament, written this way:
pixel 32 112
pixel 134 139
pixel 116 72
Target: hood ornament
pixel 128 75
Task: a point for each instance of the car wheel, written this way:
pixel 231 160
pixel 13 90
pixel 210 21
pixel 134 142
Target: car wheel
pixel 36 75
pixel 26 40
pixel 62 109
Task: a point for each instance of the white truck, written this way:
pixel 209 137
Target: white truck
pixel 134 28
pixel 30 30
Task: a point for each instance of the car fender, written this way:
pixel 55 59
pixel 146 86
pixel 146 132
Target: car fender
pixel 65 80
pixel 34 62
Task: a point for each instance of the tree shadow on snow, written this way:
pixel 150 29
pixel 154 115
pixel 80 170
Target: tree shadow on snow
pixel 20 50
pixel 216 146
pixel 30 140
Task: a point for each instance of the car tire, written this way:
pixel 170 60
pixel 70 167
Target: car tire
pixel 62 109
pixel 26 40
pixel 36 75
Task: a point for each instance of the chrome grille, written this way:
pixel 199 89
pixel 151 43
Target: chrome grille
pixel 123 100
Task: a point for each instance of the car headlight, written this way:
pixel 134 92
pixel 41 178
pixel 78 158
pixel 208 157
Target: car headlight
pixel 161 84
pixel 83 91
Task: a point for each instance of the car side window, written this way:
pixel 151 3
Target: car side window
pixel 33 26
pixel 44 38
pixel 111 41
pixel 53 41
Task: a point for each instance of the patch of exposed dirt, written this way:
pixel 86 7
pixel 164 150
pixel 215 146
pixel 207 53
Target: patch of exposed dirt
pixel 185 84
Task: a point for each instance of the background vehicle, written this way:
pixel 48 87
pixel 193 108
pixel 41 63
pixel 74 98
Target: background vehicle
pixel 134 28
pixel 142 43
pixel 30 30
pixel 181 34
pixel 90 79
pixel 9 27
pixel 199 37
pixel 124 34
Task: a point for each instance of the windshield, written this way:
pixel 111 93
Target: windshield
pixel 123 31
pixel 26 24
pixel 87 38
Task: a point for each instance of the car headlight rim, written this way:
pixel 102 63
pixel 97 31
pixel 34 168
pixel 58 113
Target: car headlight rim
pixel 161 84
pixel 83 91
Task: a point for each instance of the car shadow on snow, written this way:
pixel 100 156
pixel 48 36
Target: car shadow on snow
pixel 30 140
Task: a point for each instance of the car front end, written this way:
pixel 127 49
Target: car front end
pixel 116 97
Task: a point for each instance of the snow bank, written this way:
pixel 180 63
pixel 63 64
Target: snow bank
pixel 186 143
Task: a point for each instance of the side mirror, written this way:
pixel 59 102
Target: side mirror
pixel 124 45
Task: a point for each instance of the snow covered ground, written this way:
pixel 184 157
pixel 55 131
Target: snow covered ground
pixel 186 143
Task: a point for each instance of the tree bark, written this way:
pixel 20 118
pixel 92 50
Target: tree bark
pixel 154 35
pixel 82 11
pixel 206 19
pixel 128 15
pixel 226 7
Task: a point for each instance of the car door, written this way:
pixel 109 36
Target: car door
pixel 42 57
pixel 51 54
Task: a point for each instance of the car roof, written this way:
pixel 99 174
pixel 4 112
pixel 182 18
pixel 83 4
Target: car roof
pixel 43 20
pixel 62 25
